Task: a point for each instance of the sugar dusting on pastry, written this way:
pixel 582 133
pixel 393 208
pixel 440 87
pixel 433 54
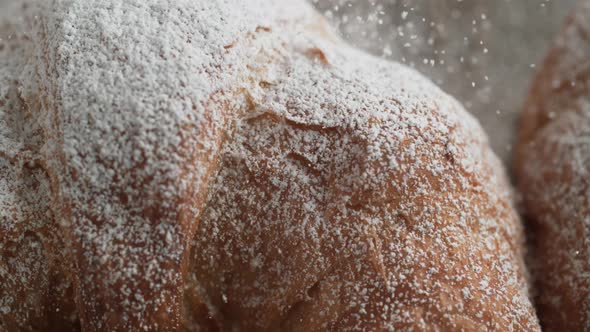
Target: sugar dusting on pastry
pixel 327 188
pixel 359 196
pixel 552 164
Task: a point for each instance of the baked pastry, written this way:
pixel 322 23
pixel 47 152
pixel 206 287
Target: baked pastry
pixel 552 170
pixel 127 152
pixel 355 195
pixel 36 292
pixel 234 165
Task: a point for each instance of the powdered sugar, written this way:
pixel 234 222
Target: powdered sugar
pixel 377 190
pixel 134 96
pixel 33 280
pixel 359 196
pixel 554 179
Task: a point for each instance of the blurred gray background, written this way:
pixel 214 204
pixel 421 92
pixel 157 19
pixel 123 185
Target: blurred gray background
pixel 483 52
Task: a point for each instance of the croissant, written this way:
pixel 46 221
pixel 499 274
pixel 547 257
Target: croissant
pixel 233 165
pixel 552 170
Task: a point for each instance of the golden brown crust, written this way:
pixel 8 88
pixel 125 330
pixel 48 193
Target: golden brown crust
pixel 551 165
pixel 335 190
pixel 329 215
pixel 130 151
pixel 35 275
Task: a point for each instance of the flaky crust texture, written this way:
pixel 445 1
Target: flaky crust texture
pixel 552 166
pixel 232 165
